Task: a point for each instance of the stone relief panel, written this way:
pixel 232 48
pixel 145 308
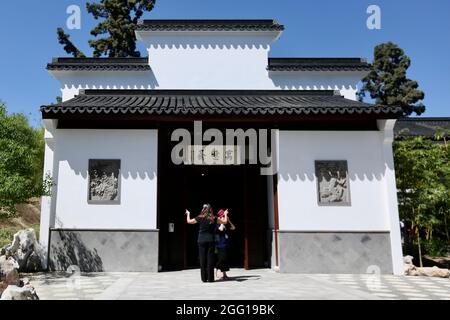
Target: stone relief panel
pixel 104 181
pixel 332 182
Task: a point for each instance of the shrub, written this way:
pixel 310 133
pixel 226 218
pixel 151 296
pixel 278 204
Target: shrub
pixel 436 247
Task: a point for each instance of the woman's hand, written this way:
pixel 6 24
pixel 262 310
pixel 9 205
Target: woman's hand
pixel 187 212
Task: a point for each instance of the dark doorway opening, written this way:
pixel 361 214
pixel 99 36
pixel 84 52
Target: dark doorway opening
pixel 239 188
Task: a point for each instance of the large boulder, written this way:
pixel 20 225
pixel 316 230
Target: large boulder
pixel 12 278
pixel 433 272
pixel 412 270
pixel 34 263
pixel 19 293
pixel 26 251
pixel 9 274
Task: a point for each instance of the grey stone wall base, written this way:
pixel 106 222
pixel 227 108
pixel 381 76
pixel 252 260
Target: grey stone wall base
pixel 339 252
pixel 104 250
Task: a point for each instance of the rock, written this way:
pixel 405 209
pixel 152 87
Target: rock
pixel 12 278
pixel 412 270
pixel 19 293
pixel 408 260
pixel 26 251
pixel 7 265
pixel 25 281
pixel 2 287
pixel 433 272
pixel 409 267
pixel 34 263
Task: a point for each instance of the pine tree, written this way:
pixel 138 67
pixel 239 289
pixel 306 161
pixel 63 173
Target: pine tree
pixel 69 47
pixel 387 82
pixel 119 22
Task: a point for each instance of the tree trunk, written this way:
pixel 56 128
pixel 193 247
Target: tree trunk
pixel 446 228
pixel 420 248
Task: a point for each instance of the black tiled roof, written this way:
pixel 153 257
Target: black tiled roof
pixel 209 25
pixel 318 64
pixel 217 102
pixel 99 64
pixel 425 127
pixel 141 64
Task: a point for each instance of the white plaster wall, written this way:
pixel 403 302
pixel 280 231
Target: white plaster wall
pixel 209 61
pixel 297 185
pixel 73 81
pixel 137 150
pixel 168 74
pixel 346 82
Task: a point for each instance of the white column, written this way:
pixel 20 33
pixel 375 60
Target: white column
pixel 387 129
pixel 48 202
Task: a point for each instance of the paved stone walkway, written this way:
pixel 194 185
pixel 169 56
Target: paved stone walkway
pixel 261 284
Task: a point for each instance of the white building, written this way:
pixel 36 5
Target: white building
pixel 327 205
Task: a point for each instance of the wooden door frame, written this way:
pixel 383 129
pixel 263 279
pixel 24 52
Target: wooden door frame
pixel 246 256
pixel 276 221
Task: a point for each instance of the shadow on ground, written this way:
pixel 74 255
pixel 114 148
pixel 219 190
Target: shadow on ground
pixel 240 278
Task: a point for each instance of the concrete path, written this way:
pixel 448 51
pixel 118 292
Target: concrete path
pixel 261 284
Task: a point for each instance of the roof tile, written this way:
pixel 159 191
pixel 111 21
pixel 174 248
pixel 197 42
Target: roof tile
pixel 318 64
pixel 209 25
pixel 99 64
pixel 203 102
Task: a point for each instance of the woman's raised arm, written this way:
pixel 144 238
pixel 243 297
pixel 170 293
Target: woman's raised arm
pixel 188 217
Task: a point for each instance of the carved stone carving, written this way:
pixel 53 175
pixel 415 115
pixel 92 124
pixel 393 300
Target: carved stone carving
pixel 332 182
pixel 104 181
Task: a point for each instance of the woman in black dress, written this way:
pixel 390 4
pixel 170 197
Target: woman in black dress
pixel 222 243
pixel 206 244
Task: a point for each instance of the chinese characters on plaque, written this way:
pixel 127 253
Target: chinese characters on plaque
pixel 213 155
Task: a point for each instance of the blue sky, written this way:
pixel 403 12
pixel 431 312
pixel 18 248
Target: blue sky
pixel 321 28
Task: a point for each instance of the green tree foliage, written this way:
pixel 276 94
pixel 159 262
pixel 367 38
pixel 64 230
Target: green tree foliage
pixel 21 161
pixel 119 19
pixel 387 82
pixel 423 183
pixel 69 47
pixel 442 134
